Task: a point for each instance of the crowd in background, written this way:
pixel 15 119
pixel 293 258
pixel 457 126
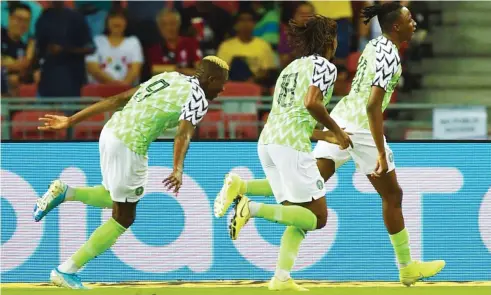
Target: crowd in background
pixel 65 45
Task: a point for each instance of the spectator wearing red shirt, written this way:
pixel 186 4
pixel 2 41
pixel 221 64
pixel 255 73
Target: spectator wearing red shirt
pixel 174 52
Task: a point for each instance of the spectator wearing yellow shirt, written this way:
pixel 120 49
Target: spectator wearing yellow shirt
pixel 250 58
pixel 342 13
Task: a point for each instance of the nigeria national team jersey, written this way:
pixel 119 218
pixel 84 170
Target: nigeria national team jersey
pixel 289 122
pixel 379 65
pixel 159 104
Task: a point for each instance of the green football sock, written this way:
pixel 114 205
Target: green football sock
pixel 96 196
pixel 101 239
pixel 400 242
pixel 288 215
pixel 257 187
pixel 289 247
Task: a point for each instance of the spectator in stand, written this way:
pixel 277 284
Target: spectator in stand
pixel 118 57
pixel 174 52
pixel 142 20
pixel 35 9
pixel 342 13
pixel 301 12
pixel 250 58
pixel 17 56
pixel 63 40
pixel 95 13
pixel 208 23
pixel 268 26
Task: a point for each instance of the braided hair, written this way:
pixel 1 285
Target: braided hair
pixel 386 13
pixel 313 37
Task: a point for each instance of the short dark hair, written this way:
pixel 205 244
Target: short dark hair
pixel 248 11
pixel 17 5
pixel 313 37
pixel 386 13
pixel 117 11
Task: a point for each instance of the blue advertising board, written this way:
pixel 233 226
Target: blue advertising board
pixel 447 206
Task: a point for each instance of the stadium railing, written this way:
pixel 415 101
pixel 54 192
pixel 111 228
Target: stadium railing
pixel 224 125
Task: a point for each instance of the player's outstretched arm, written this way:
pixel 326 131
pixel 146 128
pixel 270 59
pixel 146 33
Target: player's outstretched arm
pixel 53 122
pixel 184 134
pixel 376 122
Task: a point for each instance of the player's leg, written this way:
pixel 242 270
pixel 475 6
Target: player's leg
pixel 365 156
pixel 125 176
pixel 103 238
pixel 328 155
pixel 391 193
pixel 59 192
pixel 295 215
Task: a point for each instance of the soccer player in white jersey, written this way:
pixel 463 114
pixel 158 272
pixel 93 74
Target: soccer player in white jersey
pixel 165 101
pixel 302 92
pixel 360 112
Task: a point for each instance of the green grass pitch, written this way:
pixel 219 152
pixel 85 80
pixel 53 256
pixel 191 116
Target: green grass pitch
pixel 256 288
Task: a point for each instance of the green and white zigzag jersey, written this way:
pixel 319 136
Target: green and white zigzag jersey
pixel 289 122
pixel 379 65
pixel 159 104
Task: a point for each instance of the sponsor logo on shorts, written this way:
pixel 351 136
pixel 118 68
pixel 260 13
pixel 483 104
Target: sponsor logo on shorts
pixel 320 184
pixel 139 191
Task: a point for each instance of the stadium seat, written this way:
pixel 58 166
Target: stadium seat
pixel 352 62
pixel 209 127
pixel 241 89
pixel 25 123
pixel 28 90
pixel 91 129
pixel 242 126
pixel 103 90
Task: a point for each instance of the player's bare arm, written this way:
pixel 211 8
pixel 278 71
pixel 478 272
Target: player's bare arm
pixel 181 144
pixel 376 121
pixel 313 103
pixel 54 122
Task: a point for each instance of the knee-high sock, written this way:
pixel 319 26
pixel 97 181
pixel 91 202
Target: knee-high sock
pixel 256 187
pixel 288 215
pixel 289 247
pixel 400 242
pixel 101 239
pixel 96 196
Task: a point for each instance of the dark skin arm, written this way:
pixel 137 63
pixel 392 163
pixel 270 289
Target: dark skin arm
pixel 54 122
pixel 184 134
pixel 313 104
pixel 376 121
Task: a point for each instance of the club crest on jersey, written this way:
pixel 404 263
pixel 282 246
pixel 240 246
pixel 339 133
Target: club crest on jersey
pixel 320 184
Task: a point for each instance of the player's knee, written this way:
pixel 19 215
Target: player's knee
pixel 125 219
pixel 394 198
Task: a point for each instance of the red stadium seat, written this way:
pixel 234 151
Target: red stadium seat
pixel 25 123
pixel 209 127
pixel 91 129
pixel 265 117
pixel 352 62
pixel 103 90
pixel 241 89
pixel 28 90
pixel 243 126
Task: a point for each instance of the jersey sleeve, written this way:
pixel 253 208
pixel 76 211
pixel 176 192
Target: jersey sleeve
pixel 387 62
pixel 195 107
pixel 324 74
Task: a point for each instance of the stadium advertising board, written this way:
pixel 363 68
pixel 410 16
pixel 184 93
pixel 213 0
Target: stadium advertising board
pixel 447 204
